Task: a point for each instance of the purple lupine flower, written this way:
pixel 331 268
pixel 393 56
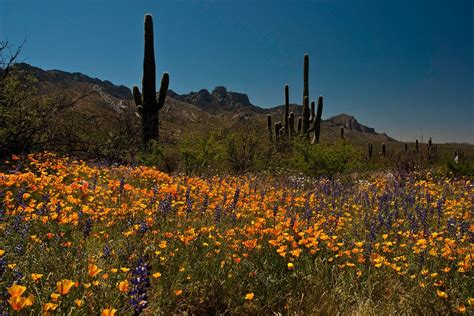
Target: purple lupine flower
pixel 218 214
pixel 140 282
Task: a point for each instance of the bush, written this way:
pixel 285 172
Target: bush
pixel 465 169
pixel 202 154
pixel 326 159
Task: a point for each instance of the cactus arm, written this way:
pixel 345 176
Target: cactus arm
pixel 313 114
pixel 165 81
pixel 317 120
pixel 137 96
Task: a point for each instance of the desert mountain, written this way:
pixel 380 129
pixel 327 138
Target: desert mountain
pixel 185 113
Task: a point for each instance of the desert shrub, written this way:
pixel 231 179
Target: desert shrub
pixel 246 150
pixel 202 154
pixel 465 169
pixel 163 157
pixel 326 159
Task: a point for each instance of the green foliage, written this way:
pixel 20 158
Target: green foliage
pixel 460 169
pixel 165 158
pixel 246 150
pixel 327 159
pixel 202 155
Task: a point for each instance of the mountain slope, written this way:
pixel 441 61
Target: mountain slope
pixel 193 112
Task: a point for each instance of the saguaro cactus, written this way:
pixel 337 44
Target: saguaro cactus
pixel 291 122
pixel 306 110
pixel 287 110
pixel 147 103
pixel 312 117
pixel 317 120
pixel 416 145
pixel 306 77
pixel 371 148
pixel 269 125
pixel 383 149
pixel 305 116
pixel 300 123
pixel 342 132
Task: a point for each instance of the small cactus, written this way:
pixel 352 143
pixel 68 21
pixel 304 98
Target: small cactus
pixel 383 149
pixel 269 125
pixel 370 148
pixel 342 132
pixel 416 145
pixel 291 122
pixel 277 131
pixel 406 147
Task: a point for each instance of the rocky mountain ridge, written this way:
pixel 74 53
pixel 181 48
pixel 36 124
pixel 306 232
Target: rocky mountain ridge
pixel 228 105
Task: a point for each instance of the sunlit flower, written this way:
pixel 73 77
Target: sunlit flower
pixel 17 303
pixel 64 286
pixel 441 294
pixel 36 276
pixel 49 307
pixel 93 270
pixel 123 286
pixel 108 312
pixel 55 297
pixel 249 296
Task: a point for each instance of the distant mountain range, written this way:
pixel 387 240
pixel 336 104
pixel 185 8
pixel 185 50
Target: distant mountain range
pixel 202 110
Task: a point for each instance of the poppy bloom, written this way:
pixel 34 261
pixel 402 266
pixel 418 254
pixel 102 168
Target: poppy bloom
pixel 64 286
pixel 17 303
pixel 108 312
pixel 123 286
pixel 93 270
pixel 16 290
pixel 249 296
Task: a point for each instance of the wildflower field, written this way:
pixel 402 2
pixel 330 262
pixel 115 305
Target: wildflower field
pixel 79 238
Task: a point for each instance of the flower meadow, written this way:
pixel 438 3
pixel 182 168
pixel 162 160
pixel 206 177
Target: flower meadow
pixel 80 238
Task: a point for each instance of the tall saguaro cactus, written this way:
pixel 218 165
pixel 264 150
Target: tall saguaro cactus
pixel 147 103
pixel 306 110
pixel 287 110
pixel 306 77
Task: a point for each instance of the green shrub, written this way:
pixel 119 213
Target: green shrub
pixel 326 159
pixel 460 169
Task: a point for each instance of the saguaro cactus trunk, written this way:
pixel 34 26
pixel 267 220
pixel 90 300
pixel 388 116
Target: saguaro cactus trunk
pixel 287 110
pixel 147 103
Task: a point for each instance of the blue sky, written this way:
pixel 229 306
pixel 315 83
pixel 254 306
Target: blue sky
pixel 403 67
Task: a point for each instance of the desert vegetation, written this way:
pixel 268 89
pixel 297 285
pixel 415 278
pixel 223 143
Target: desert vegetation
pixel 101 213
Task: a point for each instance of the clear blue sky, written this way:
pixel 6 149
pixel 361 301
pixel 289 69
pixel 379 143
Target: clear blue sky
pixel 403 67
